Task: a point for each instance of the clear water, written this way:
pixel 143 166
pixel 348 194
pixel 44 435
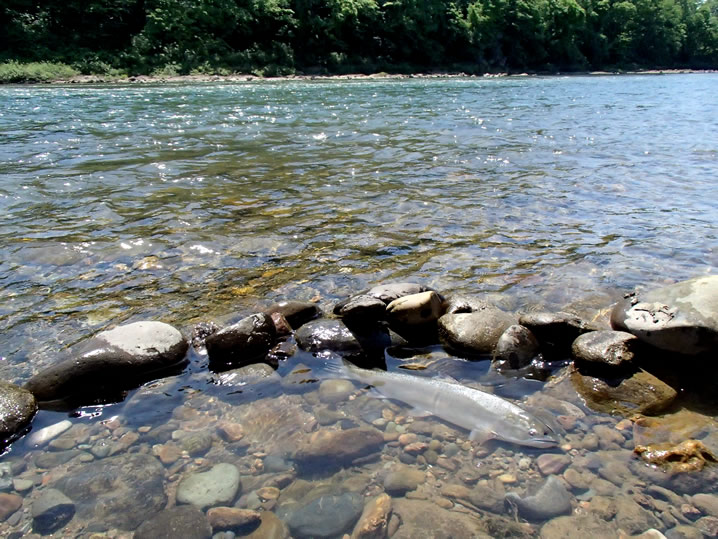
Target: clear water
pixel 188 203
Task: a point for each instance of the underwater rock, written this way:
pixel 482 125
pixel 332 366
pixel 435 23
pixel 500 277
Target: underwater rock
pixel 51 511
pixel 554 331
pixel 334 391
pixel 17 408
pixel 270 527
pixel 242 343
pixel 632 518
pixel 682 317
pixel 184 521
pixel 216 486
pixel 113 360
pixel 688 456
pixel 550 500
pixel 326 447
pixel 231 518
pixel 402 479
pixel 474 333
pixel 570 527
pixel 297 313
pixel 9 503
pixel 418 517
pixel 326 516
pixel 516 347
pixel 637 392
pixel 606 348
pixel 374 520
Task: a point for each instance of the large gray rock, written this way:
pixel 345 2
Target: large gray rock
pixel 326 516
pixel 550 500
pixel 516 348
pixel 242 343
pixel 51 511
pixel 184 521
pixel 682 317
pixel 121 492
pixel 17 408
pixel 112 360
pixel 328 335
pixel 474 333
pixel 601 349
pixel 216 486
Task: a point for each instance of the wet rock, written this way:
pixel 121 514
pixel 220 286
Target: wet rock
pixel 216 486
pixel 688 456
pixel 247 375
pixel 270 527
pixel 38 438
pixel 326 335
pixel 632 518
pixel 570 527
pixel 334 391
pixel 456 304
pixel 708 525
pixel 242 343
pixel 555 331
pixel 53 459
pixel 121 491
pixel 707 503
pixel 231 518
pixel 551 500
pixel 416 309
pixel 605 349
pixel 51 511
pixel 374 520
pixel 488 498
pixel 476 332
pixel 9 503
pixel 362 309
pixel 552 463
pixel 516 347
pixel 328 448
pixel 196 443
pixel 326 516
pixel 684 532
pixel 389 292
pixel 417 517
pixel 184 521
pixel 639 392
pixel 201 331
pixel 402 479
pixel 681 318
pixel 297 313
pixel 17 408
pixel 113 360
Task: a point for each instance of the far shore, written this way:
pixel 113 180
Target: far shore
pixel 163 79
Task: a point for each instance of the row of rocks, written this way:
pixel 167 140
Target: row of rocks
pixel 681 318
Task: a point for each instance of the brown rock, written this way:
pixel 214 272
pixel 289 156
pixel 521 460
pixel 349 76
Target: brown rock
pixel 268 493
pixel 374 520
pixel 332 447
pixel 402 479
pixel 229 518
pixel 9 503
pixel 271 527
pixel 230 432
pixel 687 456
pixel 551 464
pixel 420 516
pixel 168 453
pixel 605 349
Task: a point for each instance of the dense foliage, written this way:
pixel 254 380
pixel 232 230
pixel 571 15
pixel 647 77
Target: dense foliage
pixel 281 36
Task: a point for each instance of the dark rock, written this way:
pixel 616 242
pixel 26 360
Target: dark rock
pixel 681 318
pixel 554 331
pixel 423 518
pixel 242 343
pixel 457 304
pixel 17 408
pixel 51 511
pixel 386 293
pixel 637 392
pixel 474 333
pixel 362 309
pixel 122 491
pixel 331 448
pixel 327 335
pixel 515 349
pixel 600 349
pixel 184 521
pixel 402 479
pixel 326 516
pixel 201 331
pixel 113 360
pixel 281 324
pixel 551 500
pixel 297 313
pixel 9 503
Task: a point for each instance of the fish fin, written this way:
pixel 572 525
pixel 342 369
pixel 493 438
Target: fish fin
pixel 418 412
pixel 481 436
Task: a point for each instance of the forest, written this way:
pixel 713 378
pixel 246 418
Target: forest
pixel 281 37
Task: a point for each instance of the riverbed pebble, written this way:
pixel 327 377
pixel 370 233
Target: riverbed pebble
pixel 217 486
pixel 550 500
pixel 184 521
pixel 51 511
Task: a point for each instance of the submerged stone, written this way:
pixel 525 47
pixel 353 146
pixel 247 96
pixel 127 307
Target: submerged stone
pixel 17 408
pixel 51 511
pixel 326 516
pixel 516 348
pixel 217 486
pixel 183 521
pixel 327 448
pixel 687 456
pixel 550 500
pixel 374 520
pixel 681 318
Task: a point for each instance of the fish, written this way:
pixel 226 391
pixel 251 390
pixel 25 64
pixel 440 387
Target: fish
pixel 486 416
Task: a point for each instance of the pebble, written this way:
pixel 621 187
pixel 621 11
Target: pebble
pixel 550 500
pixel 219 485
pixel 45 434
pixel 507 478
pixel 230 518
pixel 230 432
pixel 446 464
pixel 183 521
pixel 22 485
pixel 402 479
pixel 708 503
pixel 268 493
pixel 9 503
pixel 708 525
pixel 51 511
pixel 552 463
pixel 335 391
pixel 374 520
pixel 408 438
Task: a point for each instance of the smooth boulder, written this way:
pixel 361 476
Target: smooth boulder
pixel 516 348
pixel 474 333
pixel 605 349
pixel 17 408
pixel 113 360
pixel 242 343
pixel 329 335
pixel 550 500
pixel 297 313
pixel 682 317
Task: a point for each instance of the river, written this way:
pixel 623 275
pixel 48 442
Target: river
pixel 201 202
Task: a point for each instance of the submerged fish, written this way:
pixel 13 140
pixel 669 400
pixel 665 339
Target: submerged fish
pixel 485 415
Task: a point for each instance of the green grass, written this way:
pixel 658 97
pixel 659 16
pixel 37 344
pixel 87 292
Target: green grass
pixel 34 72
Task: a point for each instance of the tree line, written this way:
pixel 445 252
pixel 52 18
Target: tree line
pixel 274 37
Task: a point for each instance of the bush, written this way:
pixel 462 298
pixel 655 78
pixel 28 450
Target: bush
pixel 35 72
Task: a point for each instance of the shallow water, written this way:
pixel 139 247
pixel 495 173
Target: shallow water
pixel 188 203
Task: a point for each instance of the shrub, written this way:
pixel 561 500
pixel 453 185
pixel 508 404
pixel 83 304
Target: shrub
pixel 35 72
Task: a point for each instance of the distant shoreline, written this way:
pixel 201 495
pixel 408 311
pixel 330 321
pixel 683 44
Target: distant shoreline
pixel 159 79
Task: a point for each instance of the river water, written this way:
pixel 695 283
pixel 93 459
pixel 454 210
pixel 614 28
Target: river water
pixel 199 202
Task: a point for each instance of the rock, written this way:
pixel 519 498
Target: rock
pixel 516 348
pixel 51 511
pixel 682 317
pixel 416 309
pixel 402 479
pixel 488 498
pixel 334 391
pixel 362 309
pixel 242 343
pixel 17 408
pixel 551 500
pixel 456 304
pixel 389 292
pixel 121 491
pixel 217 486
pixel 270 527
pixel 196 443
pixel 708 525
pixel 42 436
pixel 688 456
pixel 184 521
pixel 9 503
pixel 231 518
pixel 605 349
pixel 570 527
pixel 281 325
pixel 327 335
pixel 326 516
pixel 249 374
pixel 52 459
pixel 330 448
pixel 554 331
pixel 297 313
pixel 632 518
pixel 707 503
pixel 421 518
pixel 636 393
pixel 684 532
pixel 113 360
pixel 474 333
pixel 552 463
pixel 374 520
pixel 201 331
